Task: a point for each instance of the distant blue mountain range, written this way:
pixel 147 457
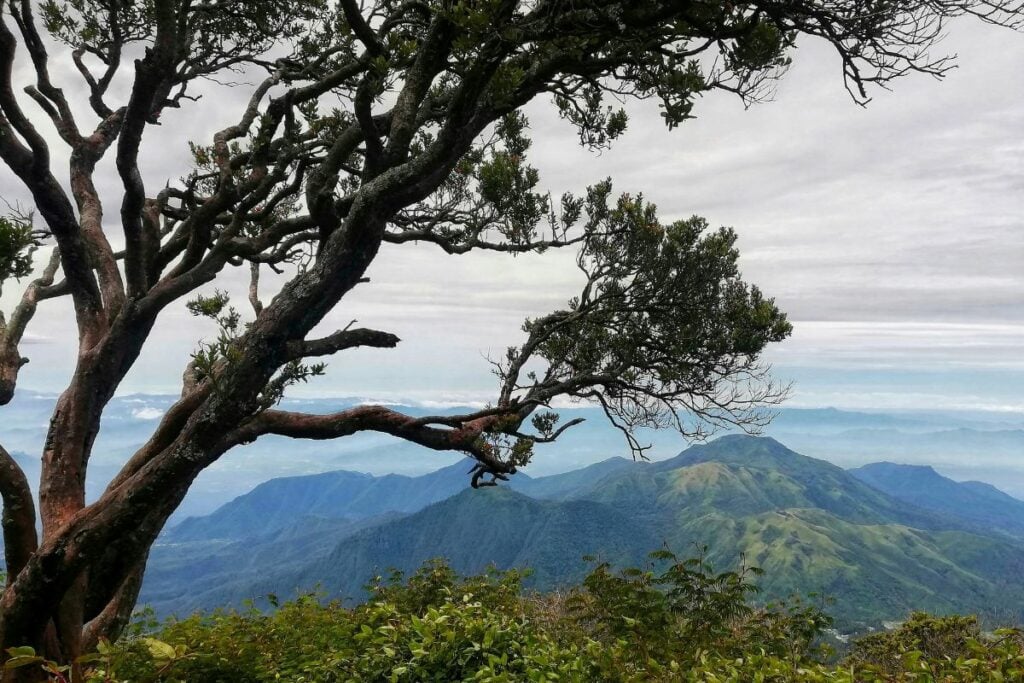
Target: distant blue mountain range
pixel 984 447
pixel 875 540
pixel 923 487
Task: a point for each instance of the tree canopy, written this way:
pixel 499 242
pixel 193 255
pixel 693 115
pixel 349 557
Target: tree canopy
pixel 371 122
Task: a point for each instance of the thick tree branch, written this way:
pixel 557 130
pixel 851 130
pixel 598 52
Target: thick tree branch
pixel 341 340
pixel 60 111
pixel 354 17
pixel 458 246
pixel 19 515
pixel 464 438
pixel 154 78
pixel 116 615
pixel 40 159
pixel 254 288
pixel 12 331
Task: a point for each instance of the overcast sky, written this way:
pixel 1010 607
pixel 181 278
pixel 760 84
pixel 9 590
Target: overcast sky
pixel 892 235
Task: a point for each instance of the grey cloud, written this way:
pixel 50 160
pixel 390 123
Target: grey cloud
pixel 908 211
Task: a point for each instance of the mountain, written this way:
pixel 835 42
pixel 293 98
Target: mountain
pixel 980 451
pixel 279 503
pixel 286 523
pixel 472 530
pixel 489 526
pixel 183 577
pixel 812 526
pixel 568 483
pixel 744 475
pixel 925 488
pixel 831 420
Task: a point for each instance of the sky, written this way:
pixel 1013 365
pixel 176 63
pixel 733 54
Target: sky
pixel 892 234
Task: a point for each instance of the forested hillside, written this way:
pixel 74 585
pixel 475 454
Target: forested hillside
pixel 812 526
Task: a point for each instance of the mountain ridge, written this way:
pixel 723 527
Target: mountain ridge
pixel 812 525
pixel 920 485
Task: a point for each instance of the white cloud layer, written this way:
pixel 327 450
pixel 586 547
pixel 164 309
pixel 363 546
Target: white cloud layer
pixel 892 235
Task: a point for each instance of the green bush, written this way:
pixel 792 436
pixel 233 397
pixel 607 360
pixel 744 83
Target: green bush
pixel 940 648
pixel 676 620
pixel 678 613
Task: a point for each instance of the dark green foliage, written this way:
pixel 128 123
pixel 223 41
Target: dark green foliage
pixel 644 274
pixel 434 627
pixel 435 581
pixel 933 645
pixel 935 638
pixel 676 620
pixel 218 39
pixel 682 611
pixel 18 241
pixel 665 324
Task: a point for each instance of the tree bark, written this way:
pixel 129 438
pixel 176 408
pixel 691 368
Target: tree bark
pixel 19 515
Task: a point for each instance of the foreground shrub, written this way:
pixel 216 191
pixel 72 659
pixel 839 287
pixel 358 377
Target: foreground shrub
pixel 934 648
pixel 676 620
pixel 674 616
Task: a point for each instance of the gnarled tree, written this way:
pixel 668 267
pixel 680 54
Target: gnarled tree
pixel 373 121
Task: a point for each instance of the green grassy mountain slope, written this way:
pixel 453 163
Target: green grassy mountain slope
pixel 742 475
pixel 873 571
pixel 814 527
